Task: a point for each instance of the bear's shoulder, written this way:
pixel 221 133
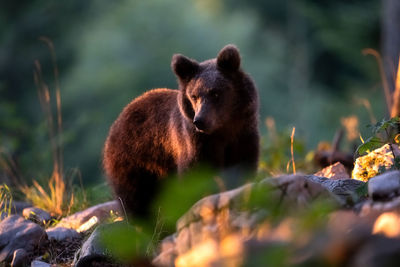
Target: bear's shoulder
pixel 158 93
pixel 154 97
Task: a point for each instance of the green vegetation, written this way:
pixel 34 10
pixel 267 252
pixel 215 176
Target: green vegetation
pixel 384 132
pixel 305 58
pixel 6 200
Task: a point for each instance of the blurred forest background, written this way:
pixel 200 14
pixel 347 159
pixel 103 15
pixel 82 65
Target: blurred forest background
pixel 305 56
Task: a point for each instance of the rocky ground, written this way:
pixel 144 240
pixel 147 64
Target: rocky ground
pixel 26 239
pixel 325 219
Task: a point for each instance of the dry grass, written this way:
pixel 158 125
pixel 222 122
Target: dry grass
pixel 54 197
pixel 291 153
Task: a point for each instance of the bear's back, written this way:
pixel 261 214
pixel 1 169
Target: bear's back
pixel 136 138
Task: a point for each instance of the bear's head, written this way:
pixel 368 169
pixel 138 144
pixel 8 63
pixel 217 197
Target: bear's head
pixel 213 94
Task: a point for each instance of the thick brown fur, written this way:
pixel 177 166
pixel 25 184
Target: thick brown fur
pixel 211 119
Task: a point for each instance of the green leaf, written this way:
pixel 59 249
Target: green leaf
pixel 362 191
pixel 369 145
pixel 384 124
pixel 123 241
pixel 396 163
pixel 180 193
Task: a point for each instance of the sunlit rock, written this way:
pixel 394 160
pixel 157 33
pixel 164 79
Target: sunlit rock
pixel 334 171
pixel 375 162
pixel 36 215
pixel 388 224
pixel 86 219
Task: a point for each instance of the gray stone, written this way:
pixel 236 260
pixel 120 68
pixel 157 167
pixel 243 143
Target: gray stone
pixel 297 189
pixel 344 189
pixel 101 212
pixel 16 208
pixel 92 251
pixel 37 263
pixel 385 186
pixel 62 233
pixel 17 233
pixel 20 258
pixel 378 251
pixel 36 215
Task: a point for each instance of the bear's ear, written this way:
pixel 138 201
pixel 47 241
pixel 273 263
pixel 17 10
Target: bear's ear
pixel 228 58
pixel 185 68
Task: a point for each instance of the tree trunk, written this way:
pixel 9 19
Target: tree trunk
pixel 391 49
pixel 391 39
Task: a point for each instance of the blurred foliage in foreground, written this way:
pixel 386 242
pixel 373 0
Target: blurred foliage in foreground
pixel 131 243
pixel 305 57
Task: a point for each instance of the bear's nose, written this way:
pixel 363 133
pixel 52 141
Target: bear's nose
pixel 199 123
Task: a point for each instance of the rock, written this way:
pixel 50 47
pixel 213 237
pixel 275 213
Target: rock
pixel 388 224
pixel 206 208
pixel 91 216
pixel 219 228
pixel 378 251
pixel 62 233
pixel 16 208
pixel 36 215
pixel 212 218
pixel 371 165
pixel 344 189
pixel 37 263
pixel 92 252
pixel 384 186
pixel 343 235
pixel 20 258
pixel 297 189
pixel 335 171
pixel 370 206
pixel 18 233
pixel 347 221
pixel 168 252
pixel 183 243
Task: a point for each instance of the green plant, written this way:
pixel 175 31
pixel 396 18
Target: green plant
pixel 280 151
pixel 5 200
pixel 384 132
pixel 385 135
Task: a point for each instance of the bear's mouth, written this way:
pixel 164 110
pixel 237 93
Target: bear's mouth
pixel 199 130
pixel 203 130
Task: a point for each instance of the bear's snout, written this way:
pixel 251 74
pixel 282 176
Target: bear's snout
pixel 202 119
pixel 199 123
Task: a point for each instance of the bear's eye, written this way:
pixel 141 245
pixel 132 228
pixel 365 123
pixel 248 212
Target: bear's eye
pixel 214 95
pixel 194 97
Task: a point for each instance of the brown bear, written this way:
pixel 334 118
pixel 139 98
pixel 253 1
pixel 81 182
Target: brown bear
pixel 211 119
